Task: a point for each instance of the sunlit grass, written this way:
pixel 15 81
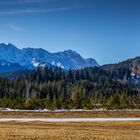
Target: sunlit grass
pixel 70 131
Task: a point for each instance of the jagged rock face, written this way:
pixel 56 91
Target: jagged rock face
pixel 30 58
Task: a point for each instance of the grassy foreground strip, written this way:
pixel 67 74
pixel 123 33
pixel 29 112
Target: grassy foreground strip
pixel 81 114
pixel 68 131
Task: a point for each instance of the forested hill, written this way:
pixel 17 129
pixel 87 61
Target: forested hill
pixel 54 88
pixel 126 72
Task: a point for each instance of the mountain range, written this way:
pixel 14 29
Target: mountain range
pixel 15 62
pixel 15 59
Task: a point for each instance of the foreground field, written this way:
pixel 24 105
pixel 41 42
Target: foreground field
pixel 71 114
pixel 68 131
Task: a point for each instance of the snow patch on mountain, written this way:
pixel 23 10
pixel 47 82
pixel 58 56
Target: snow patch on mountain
pixel 35 63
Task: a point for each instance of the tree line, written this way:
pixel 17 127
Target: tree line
pixel 55 88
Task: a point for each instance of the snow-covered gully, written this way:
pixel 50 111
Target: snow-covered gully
pixel 66 119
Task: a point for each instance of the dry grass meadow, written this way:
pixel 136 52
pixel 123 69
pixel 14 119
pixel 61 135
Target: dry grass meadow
pixel 129 130
pixel 72 114
pixel 111 130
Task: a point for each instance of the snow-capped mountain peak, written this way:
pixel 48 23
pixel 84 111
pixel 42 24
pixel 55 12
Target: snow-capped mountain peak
pixel 34 57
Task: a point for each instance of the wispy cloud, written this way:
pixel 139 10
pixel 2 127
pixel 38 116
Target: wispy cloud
pixel 15 2
pixel 32 6
pixel 32 11
pixel 15 27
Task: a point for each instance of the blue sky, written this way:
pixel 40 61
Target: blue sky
pixel 107 30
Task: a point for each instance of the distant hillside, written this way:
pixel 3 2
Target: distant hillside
pixel 6 66
pixel 126 71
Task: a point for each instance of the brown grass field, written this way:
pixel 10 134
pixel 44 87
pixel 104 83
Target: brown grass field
pixel 111 130
pixel 82 114
pixel 129 130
